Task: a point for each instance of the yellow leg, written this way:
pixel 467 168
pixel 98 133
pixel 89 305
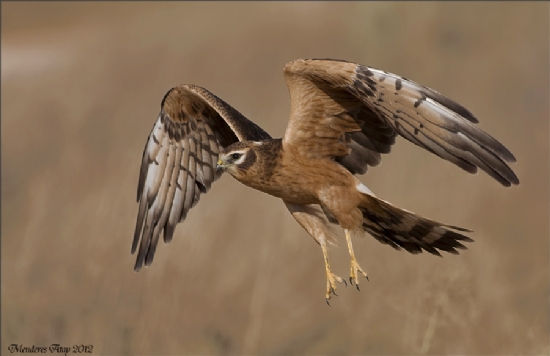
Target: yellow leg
pixel 354 265
pixel 331 277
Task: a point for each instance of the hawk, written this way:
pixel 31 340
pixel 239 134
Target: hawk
pixel 343 117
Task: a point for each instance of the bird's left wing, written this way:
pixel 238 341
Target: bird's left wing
pixel 352 113
pixel 179 161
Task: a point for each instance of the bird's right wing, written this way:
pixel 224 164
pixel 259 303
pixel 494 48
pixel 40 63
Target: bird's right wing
pixel 179 161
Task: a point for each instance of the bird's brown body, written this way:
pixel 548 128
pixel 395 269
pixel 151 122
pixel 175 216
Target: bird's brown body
pixel 295 179
pixel 289 176
pixel 344 116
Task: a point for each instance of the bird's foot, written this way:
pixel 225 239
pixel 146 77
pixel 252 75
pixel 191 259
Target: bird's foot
pixel 355 268
pixel 331 284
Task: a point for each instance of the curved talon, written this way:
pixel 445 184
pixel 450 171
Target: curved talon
pixel 346 283
pixel 355 269
pixel 332 279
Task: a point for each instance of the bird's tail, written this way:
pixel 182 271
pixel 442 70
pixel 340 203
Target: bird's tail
pixel 400 228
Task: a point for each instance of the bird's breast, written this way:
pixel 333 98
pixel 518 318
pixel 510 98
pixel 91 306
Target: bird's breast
pixel 298 182
pixel 293 188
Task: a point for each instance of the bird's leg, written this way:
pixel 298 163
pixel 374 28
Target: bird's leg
pixel 354 265
pixel 331 277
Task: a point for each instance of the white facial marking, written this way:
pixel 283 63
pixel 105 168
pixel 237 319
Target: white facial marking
pixel 239 160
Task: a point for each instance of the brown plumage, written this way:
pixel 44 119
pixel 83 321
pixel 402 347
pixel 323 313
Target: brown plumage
pixel 343 117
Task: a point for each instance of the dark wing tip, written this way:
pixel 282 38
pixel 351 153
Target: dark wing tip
pixel 443 127
pixel 502 151
pixel 168 233
pixel 508 184
pixel 138 265
pixel 513 178
pixel 450 104
pixel 150 255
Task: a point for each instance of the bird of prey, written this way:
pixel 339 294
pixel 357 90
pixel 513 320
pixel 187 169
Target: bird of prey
pixel 343 117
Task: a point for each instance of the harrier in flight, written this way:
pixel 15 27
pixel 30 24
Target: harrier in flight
pixel 343 117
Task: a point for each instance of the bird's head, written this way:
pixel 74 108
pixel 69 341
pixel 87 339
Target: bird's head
pixel 237 158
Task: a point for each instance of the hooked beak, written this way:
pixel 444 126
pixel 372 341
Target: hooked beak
pixel 219 165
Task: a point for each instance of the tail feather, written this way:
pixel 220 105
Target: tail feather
pixel 402 229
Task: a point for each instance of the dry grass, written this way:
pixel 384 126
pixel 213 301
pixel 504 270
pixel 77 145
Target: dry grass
pixel 81 88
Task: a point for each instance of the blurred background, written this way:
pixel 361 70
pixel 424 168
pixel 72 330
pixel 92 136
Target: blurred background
pixel 81 88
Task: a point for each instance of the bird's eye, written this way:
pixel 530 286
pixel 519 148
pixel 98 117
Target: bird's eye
pixel 235 156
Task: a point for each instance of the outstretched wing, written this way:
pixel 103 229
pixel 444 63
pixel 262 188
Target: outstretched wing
pixel 179 161
pixel 352 113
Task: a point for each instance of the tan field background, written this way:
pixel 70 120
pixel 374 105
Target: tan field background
pixel 81 89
